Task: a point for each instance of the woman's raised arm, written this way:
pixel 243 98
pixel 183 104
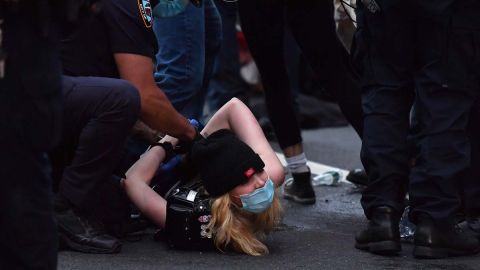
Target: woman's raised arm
pixel 236 116
pixel 137 184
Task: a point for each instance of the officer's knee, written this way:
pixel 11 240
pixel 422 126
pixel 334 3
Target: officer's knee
pixel 127 98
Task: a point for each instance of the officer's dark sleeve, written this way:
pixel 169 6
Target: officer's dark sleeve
pixel 129 24
pixel 436 9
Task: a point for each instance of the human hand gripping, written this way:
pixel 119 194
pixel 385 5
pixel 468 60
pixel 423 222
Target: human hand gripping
pixel 184 147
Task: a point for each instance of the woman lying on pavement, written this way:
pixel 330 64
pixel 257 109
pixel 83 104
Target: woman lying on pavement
pixel 239 171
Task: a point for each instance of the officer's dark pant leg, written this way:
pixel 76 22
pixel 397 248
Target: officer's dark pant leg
pixel 469 19
pixel 28 229
pixel 445 96
pixel 313 27
pixel 471 182
pixel 384 53
pixel 30 109
pixel 99 114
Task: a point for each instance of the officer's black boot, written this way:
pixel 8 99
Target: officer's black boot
pixel 300 190
pixel 473 223
pixel 382 235
pixel 79 233
pixel 433 243
pixel 358 177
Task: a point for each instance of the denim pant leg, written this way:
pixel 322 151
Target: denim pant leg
pixel 226 82
pixel 213 43
pixel 184 59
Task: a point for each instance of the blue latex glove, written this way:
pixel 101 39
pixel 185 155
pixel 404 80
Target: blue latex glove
pixel 172 163
pixel 197 124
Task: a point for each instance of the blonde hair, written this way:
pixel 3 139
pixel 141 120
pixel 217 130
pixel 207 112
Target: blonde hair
pixel 240 230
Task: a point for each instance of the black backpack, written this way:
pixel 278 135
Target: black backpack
pixel 188 214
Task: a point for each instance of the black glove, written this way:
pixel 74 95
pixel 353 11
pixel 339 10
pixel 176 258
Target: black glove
pixel 169 152
pixel 184 147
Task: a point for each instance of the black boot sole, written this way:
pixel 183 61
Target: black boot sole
pixel 357 180
pixel 70 244
pixel 299 199
pixel 381 248
pixel 423 252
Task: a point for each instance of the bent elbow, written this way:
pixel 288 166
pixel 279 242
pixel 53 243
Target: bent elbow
pixel 278 175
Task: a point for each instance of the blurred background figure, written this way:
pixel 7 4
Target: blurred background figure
pixel 344 19
pixel 30 111
pixel 226 81
pixel 313 27
pixel 188 44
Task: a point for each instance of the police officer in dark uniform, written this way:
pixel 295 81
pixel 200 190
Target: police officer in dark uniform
pixel 117 42
pixel 471 184
pixel 30 109
pixel 467 21
pixel 402 46
pixel 112 41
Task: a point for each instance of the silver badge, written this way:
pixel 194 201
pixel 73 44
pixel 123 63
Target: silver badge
pixel 205 232
pixel 191 195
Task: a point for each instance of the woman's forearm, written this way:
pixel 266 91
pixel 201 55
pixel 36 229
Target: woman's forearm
pixel 137 186
pixel 145 168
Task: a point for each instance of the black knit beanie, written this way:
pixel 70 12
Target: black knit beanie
pixel 224 161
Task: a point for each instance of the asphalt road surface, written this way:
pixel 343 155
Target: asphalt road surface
pixel 311 237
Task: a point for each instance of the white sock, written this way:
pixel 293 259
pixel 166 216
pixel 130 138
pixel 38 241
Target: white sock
pixel 297 164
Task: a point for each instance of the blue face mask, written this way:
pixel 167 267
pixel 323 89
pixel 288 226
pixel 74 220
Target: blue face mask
pixel 169 8
pixel 260 199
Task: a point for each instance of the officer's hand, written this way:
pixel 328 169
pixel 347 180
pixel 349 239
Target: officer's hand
pixel 184 147
pixel 167 138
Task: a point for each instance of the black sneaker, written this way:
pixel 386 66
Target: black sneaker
pixel 299 188
pixel 382 234
pixel 358 177
pixel 84 235
pixel 433 243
